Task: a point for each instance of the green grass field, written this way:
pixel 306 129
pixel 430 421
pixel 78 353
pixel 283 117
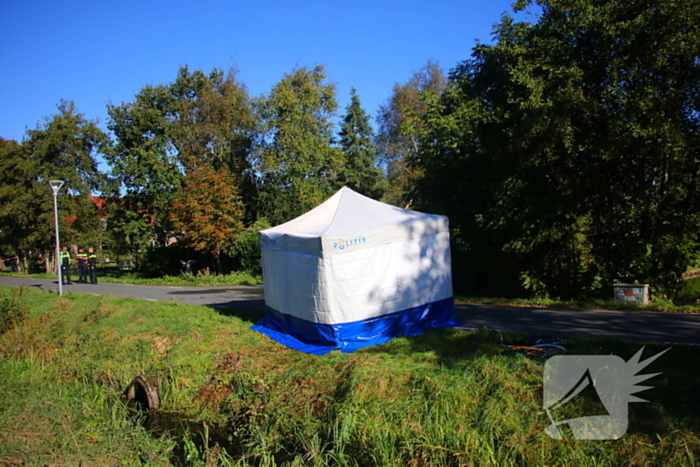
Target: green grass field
pixel 447 398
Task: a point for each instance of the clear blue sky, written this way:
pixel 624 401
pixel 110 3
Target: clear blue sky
pixel 101 52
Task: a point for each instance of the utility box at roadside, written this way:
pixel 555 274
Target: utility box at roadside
pixel 638 293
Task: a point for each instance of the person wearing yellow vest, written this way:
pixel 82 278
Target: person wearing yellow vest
pixel 92 265
pixel 82 258
pixel 64 259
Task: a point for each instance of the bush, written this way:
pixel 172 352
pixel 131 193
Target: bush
pixel 689 294
pixel 167 261
pixel 12 312
pixel 246 248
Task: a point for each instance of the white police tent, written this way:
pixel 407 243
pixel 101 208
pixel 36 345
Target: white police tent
pixel 354 272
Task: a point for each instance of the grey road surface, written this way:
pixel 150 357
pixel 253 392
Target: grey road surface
pixel 239 296
pixel 641 326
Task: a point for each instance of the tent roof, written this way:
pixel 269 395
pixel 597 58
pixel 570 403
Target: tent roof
pixel 348 215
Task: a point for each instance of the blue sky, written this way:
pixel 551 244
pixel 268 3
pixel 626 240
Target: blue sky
pixel 101 52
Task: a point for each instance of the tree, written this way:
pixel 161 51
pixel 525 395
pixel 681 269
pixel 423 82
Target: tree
pixel 144 164
pixel 565 150
pixel 400 126
pixel 632 132
pixel 298 163
pixel 168 132
pixel 359 171
pixel 208 212
pixel 65 147
pixel 20 200
pixel 214 125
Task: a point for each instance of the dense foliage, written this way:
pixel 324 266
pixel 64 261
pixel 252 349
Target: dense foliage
pixel 208 212
pixel 65 147
pixel 401 121
pixel 564 154
pixel 296 157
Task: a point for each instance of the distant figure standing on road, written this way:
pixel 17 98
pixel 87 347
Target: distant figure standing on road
pixel 82 258
pixel 64 258
pixel 92 265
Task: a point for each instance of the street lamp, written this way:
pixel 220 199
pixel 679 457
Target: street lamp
pixel 55 186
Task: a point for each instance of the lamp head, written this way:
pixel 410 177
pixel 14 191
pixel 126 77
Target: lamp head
pixel 56 185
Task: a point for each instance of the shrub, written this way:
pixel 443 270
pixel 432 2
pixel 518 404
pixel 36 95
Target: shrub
pixel 12 312
pixel 247 247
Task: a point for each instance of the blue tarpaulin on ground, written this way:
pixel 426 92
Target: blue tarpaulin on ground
pixel 320 339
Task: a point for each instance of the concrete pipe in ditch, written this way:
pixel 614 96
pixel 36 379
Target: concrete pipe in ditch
pixel 142 394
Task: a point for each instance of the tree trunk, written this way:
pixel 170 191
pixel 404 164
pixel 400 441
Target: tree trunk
pixel 50 264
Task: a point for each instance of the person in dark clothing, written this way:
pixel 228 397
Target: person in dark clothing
pixel 12 262
pixel 64 259
pixel 82 258
pixel 92 265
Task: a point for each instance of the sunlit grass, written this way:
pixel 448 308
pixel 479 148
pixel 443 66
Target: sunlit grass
pixel 661 305
pixel 448 397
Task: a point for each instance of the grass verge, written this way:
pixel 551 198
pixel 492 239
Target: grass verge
pixel 446 398
pixel 655 305
pixel 114 275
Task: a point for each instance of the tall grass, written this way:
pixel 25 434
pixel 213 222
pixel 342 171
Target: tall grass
pixel 447 398
pixel 51 419
pixel 234 278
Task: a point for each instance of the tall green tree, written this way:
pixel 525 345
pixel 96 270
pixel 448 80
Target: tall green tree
pixel 566 149
pixel 359 171
pixel 400 125
pixel 213 124
pixel 21 200
pixel 297 160
pixel 169 131
pixel 640 70
pixel 145 164
pixel 65 147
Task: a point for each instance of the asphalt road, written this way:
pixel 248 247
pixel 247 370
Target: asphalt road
pixel 640 326
pixel 239 296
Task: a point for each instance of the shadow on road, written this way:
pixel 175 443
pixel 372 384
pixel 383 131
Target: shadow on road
pixel 198 291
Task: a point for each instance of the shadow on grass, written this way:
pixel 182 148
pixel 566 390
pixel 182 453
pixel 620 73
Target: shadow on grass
pixel 451 346
pixel 672 393
pixel 250 314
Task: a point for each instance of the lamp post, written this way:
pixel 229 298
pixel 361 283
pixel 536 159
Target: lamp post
pixel 55 186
